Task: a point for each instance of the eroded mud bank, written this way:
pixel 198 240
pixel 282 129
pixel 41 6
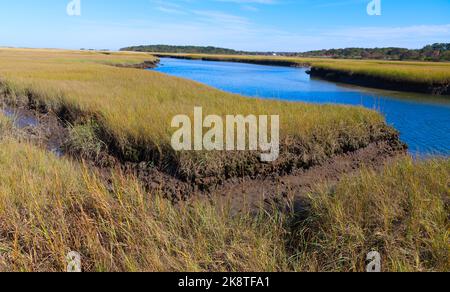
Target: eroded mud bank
pixel 43 129
pixel 143 65
pixel 268 62
pixel 380 82
pixel 281 183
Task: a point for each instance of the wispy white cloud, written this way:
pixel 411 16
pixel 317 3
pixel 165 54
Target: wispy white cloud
pixel 254 38
pixel 250 1
pixel 238 24
pixel 220 17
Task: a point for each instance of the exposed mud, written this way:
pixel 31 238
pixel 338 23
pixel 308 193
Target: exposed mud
pixel 143 65
pixel 295 154
pixel 46 130
pixel 279 190
pixel 291 190
pixel 42 129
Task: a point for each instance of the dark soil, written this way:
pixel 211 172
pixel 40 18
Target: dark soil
pixel 296 154
pixel 379 82
pixel 291 190
pixel 189 170
pixel 143 65
pixel 42 129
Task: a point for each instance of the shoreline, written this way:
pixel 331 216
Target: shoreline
pixel 334 75
pixel 144 65
pixel 379 82
pixel 237 59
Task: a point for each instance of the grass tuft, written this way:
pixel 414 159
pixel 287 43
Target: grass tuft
pixel 402 213
pixel 84 142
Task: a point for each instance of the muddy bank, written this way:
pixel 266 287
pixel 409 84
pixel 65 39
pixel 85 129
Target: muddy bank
pixel 193 170
pixel 283 189
pixel 45 130
pixel 271 188
pixel 143 65
pixel 290 191
pixel 379 82
pixel 295 154
pixel 177 175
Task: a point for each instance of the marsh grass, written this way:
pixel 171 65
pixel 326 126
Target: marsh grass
pixel 83 141
pixel 134 108
pixel 402 213
pixel 50 206
pixel 6 125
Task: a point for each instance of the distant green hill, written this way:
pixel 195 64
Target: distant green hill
pixel 182 49
pixel 435 52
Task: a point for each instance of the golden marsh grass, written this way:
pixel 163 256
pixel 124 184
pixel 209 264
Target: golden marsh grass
pixel 50 206
pixel 401 212
pixel 135 107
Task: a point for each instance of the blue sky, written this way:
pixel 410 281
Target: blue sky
pixel 279 25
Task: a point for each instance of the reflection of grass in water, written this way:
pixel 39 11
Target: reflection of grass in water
pixel 398 95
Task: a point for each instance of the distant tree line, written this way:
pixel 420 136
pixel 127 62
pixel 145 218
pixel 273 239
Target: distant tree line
pixel 435 52
pixel 182 50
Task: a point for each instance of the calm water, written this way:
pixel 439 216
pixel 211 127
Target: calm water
pixel 424 121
